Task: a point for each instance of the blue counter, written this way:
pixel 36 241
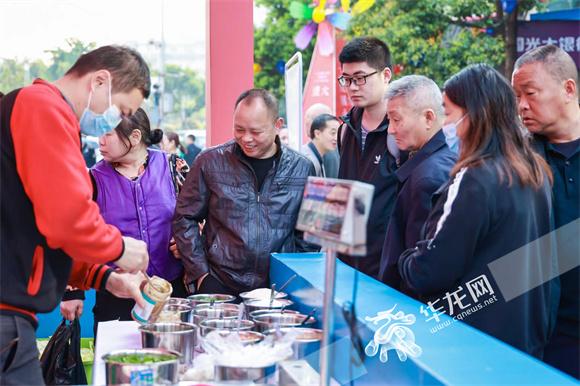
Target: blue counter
pixel 455 355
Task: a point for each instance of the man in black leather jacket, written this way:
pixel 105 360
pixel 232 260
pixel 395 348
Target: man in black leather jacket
pixel 248 191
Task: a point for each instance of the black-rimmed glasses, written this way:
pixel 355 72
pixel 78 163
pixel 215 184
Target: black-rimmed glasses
pixel 359 80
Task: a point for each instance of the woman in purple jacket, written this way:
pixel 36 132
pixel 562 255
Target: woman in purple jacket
pixel 135 190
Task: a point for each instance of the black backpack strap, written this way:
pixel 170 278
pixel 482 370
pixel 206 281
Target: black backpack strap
pixel 341 134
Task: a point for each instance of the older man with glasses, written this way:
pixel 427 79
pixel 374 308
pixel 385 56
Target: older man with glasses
pixel 367 152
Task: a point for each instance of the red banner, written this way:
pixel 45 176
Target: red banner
pixel 321 79
pixel 343 104
pixel 321 84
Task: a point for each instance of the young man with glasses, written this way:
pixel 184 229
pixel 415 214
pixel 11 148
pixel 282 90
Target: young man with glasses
pixel 367 153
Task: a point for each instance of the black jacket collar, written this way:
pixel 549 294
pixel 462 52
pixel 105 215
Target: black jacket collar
pixel 353 120
pixel 543 146
pixel 433 145
pixel 316 152
pixel 279 149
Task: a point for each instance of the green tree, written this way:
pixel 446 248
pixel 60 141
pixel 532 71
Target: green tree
pixel 12 75
pixel 185 85
pixel 274 42
pixel 437 38
pixel 63 58
pixel 187 89
pixel 15 74
pixel 38 69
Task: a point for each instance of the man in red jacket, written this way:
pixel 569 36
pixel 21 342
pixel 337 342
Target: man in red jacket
pixel 51 230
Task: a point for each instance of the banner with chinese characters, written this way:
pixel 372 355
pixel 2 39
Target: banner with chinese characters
pixel 321 80
pixel 343 104
pixel 565 34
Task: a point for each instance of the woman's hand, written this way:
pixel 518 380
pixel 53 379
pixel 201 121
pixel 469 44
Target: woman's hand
pixel 173 248
pixel 71 309
pixel 127 286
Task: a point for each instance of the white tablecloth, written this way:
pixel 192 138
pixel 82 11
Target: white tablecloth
pixel 113 335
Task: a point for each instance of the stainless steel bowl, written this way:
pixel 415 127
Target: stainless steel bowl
pixel 261 375
pixel 175 312
pixel 253 314
pixel 211 298
pixel 260 304
pixel 180 301
pixel 165 372
pixel 225 324
pixel 215 311
pixel 179 337
pixel 266 322
pixel 307 341
pixel 246 296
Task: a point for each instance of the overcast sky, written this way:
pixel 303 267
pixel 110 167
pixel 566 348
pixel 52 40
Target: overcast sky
pixel 29 27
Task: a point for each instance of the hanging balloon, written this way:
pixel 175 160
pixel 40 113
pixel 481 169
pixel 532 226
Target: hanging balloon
pixel 318 15
pixel 508 5
pixel 361 6
pixel 257 68
pixel 300 10
pixel 325 42
pixel 421 60
pixel 345 4
pixel 398 68
pixel 339 20
pixel 490 31
pixel 337 12
pixel 305 34
pixel 280 66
